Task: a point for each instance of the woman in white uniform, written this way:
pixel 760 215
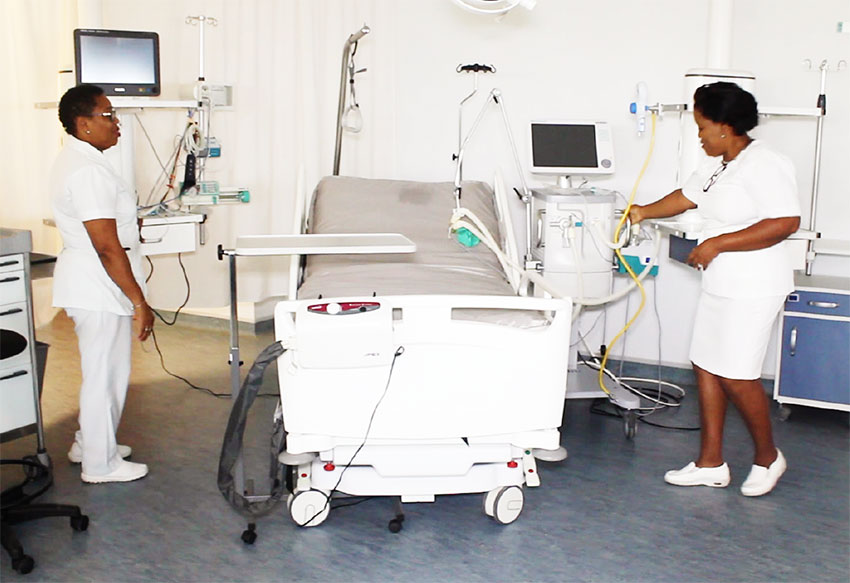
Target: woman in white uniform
pixel 747 196
pixel 98 278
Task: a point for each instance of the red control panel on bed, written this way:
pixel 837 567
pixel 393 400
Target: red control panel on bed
pixel 343 308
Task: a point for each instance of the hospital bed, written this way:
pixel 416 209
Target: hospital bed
pixel 418 374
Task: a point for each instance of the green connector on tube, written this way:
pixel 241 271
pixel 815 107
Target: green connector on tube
pixel 466 238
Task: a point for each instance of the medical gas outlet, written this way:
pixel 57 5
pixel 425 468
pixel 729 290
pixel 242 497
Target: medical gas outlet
pixel 571 230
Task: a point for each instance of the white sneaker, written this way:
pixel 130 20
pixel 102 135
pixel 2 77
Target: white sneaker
pixel 75 454
pixel 763 479
pixel 691 475
pixel 126 472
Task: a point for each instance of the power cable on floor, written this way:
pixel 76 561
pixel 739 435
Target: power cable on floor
pixel 191 384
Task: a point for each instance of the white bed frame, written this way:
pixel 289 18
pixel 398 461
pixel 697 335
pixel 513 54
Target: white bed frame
pixel 448 405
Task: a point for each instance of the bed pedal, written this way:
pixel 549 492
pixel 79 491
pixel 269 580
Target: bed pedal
pixel 529 468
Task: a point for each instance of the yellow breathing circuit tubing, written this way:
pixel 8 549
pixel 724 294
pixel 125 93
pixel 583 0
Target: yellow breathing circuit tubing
pixel 625 264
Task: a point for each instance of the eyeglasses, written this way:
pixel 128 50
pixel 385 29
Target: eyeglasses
pixel 714 177
pixel 110 115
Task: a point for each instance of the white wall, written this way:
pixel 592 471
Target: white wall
pixel 567 58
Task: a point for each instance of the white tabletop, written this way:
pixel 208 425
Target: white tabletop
pixel 324 244
pixel 687 228
pixel 692 229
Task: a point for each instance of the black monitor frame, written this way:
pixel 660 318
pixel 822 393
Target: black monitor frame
pixel 114 86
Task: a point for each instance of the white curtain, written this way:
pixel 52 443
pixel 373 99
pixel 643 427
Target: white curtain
pixel 34 35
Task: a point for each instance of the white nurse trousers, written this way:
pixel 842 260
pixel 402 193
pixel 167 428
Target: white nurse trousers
pixel 105 340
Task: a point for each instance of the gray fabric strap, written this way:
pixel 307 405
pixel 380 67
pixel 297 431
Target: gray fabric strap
pixel 234 434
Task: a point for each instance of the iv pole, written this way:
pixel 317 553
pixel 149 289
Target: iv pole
pixel 346 54
pixel 203 112
pixel 821 104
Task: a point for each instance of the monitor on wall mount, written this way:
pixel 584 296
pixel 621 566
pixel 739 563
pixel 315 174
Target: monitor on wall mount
pixel 121 62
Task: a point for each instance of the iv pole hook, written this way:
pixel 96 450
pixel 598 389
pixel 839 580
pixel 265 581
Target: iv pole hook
pixel 201 21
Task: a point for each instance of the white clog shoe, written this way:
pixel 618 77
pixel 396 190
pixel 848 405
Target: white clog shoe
pixel 763 479
pixel 691 475
pixel 126 472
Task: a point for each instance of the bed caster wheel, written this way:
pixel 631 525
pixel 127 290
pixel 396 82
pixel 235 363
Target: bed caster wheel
pixel 249 535
pixel 630 424
pixel 309 508
pixel 784 412
pixel 23 565
pixel 507 504
pixel 396 525
pixel 80 523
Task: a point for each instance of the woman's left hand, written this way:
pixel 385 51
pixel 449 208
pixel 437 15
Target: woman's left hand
pixel 704 253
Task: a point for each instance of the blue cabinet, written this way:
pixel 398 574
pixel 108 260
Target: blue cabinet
pixel 814 352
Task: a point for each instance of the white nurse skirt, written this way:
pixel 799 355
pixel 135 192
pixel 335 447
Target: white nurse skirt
pixel 731 334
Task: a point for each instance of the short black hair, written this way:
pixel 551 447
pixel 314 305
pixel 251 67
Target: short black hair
pixel 727 103
pixel 77 101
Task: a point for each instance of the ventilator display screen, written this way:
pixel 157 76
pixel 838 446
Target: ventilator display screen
pixel 563 145
pixel 121 62
pixel 559 147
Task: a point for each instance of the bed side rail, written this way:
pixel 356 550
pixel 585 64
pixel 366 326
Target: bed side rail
pixel 508 239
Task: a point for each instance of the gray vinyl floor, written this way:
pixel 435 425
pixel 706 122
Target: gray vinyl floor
pixel 604 514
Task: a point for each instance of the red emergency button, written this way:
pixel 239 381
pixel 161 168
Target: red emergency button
pixel 329 467
pixel 512 464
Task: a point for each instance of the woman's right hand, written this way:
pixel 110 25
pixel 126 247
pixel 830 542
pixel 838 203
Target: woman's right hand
pixel 143 314
pixel 636 214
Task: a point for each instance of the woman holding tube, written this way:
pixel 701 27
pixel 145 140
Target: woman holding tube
pixel 98 278
pixel 747 196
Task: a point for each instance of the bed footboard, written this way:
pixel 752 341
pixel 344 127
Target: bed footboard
pixel 418 373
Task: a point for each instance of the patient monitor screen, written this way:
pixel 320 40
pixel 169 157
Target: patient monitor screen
pixel 121 62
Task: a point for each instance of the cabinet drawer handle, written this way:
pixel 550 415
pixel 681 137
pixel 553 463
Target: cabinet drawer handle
pixel 829 305
pixel 12 311
pixel 17 373
pixel 8 279
pixel 793 345
pixel 8 263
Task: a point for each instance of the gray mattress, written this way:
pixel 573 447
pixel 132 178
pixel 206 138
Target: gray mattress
pixel 420 211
